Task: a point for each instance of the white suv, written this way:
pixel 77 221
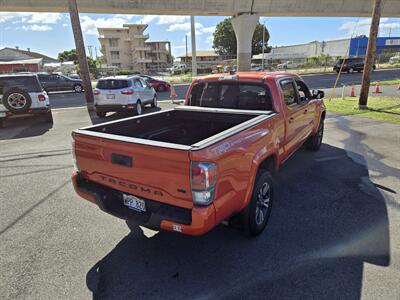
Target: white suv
pixel 22 95
pixel 122 93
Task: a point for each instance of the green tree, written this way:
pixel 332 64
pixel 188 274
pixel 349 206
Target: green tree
pixel 224 41
pixel 68 56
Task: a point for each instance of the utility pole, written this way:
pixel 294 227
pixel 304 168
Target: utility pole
pixel 370 56
pixel 263 48
pixel 193 36
pixel 81 53
pixel 186 56
pixel 90 49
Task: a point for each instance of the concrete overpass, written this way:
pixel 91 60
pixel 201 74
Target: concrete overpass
pixel 334 8
pixel 246 14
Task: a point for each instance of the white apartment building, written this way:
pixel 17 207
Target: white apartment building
pixel 127 49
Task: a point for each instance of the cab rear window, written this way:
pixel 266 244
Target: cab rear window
pixel 113 84
pixel 233 95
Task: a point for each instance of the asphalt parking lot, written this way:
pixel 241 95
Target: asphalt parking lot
pixel 314 81
pixel 334 231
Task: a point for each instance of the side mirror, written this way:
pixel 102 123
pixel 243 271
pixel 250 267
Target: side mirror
pixel 318 94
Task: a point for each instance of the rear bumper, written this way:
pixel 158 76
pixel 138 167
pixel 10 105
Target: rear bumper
pixel 30 112
pixel 114 107
pixel 195 221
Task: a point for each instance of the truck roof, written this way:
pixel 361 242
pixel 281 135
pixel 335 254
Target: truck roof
pixel 247 76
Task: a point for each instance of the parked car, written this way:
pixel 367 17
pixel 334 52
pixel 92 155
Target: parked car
pixel 350 65
pixel 288 65
pixel 74 76
pixel 190 168
pixel 158 85
pixel 394 60
pixel 122 93
pixel 58 82
pixel 179 69
pixel 23 96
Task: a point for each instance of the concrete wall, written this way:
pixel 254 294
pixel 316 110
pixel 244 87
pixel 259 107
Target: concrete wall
pixel 354 8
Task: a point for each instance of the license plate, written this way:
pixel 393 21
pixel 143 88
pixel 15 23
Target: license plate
pixel 134 203
pixel 110 97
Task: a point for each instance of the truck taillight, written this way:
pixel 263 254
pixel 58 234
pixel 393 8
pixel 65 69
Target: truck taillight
pixel 127 92
pixel 96 92
pixel 203 179
pixel 41 97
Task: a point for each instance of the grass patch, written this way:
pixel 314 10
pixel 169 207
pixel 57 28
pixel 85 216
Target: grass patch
pixel 387 82
pixel 379 108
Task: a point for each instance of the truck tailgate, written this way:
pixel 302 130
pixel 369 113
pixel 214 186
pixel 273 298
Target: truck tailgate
pixel 155 173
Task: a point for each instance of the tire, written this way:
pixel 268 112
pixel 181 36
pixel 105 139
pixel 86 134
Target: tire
pixel 314 142
pixel 161 88
pixel 138 108
pixel 101 114
pixel 49 118
pixel 78 88
pixel 154 103
pixel 17 100
pixel 350 71
pixel 256 214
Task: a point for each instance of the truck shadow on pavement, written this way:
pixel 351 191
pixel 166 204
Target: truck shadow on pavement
pixel 328 219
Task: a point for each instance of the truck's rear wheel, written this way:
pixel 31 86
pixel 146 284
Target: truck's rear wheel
pixel 314 142
pixel 256 214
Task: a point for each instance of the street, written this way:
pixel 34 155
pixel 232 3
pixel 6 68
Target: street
pixel 316 81
pixel 334 231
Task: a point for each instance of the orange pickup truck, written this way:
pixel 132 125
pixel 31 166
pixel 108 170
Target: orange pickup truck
pixel 189 168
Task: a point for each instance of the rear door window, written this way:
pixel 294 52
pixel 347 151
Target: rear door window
pixel 232 95
pixel 112 84
pixel 28 83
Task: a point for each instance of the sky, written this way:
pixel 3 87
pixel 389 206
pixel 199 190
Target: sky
pixel 50 33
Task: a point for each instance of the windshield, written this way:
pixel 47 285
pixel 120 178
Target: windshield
pixel 231 95
pixel 113 84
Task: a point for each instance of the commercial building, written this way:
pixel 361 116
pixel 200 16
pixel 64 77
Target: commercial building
pixel 351 47
pixel 127 48
pixel 205 58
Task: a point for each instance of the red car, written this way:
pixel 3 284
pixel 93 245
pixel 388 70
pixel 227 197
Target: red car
pixel 158 85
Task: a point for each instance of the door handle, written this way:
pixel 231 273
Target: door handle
pixel 305 111
pixel 291 119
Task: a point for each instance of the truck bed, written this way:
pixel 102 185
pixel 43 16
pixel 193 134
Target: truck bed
pixel 185 126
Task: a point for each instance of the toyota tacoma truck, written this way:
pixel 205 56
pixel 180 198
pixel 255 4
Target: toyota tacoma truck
pixel 211 161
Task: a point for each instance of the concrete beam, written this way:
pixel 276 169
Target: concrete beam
pixel 244 26
pixel 355 8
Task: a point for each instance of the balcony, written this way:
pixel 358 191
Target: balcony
pixel 140 60
pixel 159 51
pixel 141 36
pixel 144 48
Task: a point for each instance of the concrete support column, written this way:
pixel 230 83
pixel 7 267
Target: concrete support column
pixel 193 36
pixel 244 26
